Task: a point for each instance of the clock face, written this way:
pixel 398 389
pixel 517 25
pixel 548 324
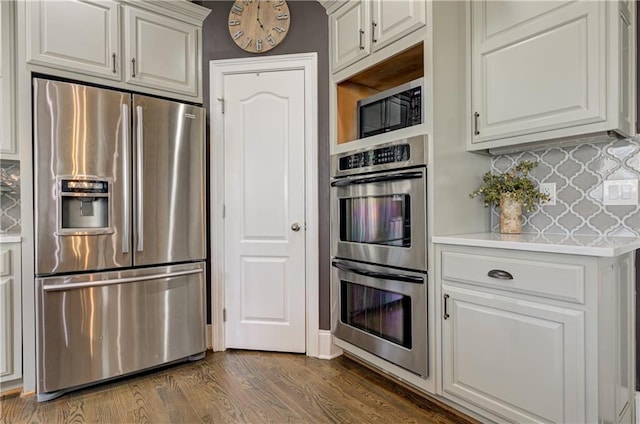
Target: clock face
pixel 258 26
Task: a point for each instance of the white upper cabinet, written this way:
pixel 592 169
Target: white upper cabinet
pixel 551 70
pixel 395 19
pixel 8 145
pixel 362 27
pixel 161 52
pixel 80 36
pixel 154 46
pixel 350 37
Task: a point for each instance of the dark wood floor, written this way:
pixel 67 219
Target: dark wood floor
pixel 238 387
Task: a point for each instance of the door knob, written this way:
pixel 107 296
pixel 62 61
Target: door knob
pixel 295 226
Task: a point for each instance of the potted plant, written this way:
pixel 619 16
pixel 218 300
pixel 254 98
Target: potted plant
pixel 512 191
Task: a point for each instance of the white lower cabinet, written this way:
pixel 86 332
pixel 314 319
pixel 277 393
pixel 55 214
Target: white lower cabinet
pixel 520 360
pixel 10 315
pixel 536 337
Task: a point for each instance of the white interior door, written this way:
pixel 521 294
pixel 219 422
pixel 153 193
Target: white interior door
pixel 264 224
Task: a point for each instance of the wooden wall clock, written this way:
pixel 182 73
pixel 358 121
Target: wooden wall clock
pixel 257 26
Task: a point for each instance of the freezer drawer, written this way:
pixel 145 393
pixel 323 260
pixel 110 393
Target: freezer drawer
pixel 93 327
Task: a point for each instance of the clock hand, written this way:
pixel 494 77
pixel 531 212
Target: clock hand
pixel 258 17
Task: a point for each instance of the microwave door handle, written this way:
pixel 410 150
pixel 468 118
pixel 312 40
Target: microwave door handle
pixel 377 179
pixel 381 275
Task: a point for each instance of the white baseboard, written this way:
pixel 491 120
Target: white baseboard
pixel 637 407
pixel 326 348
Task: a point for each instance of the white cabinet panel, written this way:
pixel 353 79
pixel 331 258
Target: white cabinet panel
pixel 350 35
pixel 551 70
pixel 10 313
pixel 8 144
pixel 362 27
pixel 81 36
pixel 395 19
pixel 521 360
pixel 162 52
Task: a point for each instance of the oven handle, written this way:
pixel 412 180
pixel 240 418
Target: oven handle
pixel 382 275
pixel 377 179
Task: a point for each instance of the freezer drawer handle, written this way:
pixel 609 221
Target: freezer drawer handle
pixel 381 275
pixel 71 286
pixel 398 176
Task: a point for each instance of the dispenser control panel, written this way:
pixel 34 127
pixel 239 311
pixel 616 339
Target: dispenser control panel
pixel 85 186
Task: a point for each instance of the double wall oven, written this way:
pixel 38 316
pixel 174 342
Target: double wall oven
pixel 379 251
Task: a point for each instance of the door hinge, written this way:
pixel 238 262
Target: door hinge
pixel 224 315
pixel 221 100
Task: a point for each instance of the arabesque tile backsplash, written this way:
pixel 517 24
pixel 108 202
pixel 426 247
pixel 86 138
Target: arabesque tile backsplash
pixel 579 173
pixel 10 197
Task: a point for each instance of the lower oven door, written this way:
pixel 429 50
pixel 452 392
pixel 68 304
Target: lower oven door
pixel 381 218
pixel 383 311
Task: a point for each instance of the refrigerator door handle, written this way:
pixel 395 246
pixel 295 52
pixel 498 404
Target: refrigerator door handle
pixel 126 171
pixel 71 286
pixel 139 146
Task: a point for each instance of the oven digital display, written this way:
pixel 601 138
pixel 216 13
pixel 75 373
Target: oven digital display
pixel 379 312
pixel 381 156
pixel 381 220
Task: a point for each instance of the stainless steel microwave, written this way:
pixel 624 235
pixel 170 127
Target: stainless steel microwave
pixel 392 109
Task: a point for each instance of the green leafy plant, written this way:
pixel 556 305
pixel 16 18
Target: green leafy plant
pixel 515 184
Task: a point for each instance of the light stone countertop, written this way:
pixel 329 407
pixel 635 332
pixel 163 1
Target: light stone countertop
pixel 551 243
pixel 10 238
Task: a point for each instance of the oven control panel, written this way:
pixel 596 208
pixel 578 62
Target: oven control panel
pixel 380 156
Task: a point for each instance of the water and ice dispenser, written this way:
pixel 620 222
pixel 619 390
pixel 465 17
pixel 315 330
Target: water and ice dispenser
pixel 84 206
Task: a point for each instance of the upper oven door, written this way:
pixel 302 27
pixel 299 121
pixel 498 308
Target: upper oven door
pixel 381 218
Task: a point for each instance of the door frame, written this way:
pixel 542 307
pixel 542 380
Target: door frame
pixel 308 62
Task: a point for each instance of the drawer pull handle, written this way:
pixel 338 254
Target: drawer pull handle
pixel 500 274
pixel 446 313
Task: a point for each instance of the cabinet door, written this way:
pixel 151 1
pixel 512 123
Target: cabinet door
pixel 520 360
pixel 8 146
pixel 536 66
pixel 10 313
pixel 162 53
pixel 75 35
pixel 395 19
pixel 350 34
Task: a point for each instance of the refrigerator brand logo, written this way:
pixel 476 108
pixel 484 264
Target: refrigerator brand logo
pixel 190 115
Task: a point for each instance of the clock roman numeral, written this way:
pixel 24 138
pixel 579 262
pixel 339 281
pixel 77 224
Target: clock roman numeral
pixel 237 9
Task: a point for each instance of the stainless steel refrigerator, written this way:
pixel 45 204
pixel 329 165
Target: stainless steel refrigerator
pixel 120 233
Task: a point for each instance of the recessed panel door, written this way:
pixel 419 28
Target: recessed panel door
pixel 265 215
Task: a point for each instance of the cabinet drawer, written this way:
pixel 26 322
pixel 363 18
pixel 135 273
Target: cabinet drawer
pixel 545 279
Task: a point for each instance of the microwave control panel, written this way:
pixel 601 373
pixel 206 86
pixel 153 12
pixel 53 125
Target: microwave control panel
pixel 381 156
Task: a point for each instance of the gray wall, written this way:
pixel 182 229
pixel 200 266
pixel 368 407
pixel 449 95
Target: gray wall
pixel 308 33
